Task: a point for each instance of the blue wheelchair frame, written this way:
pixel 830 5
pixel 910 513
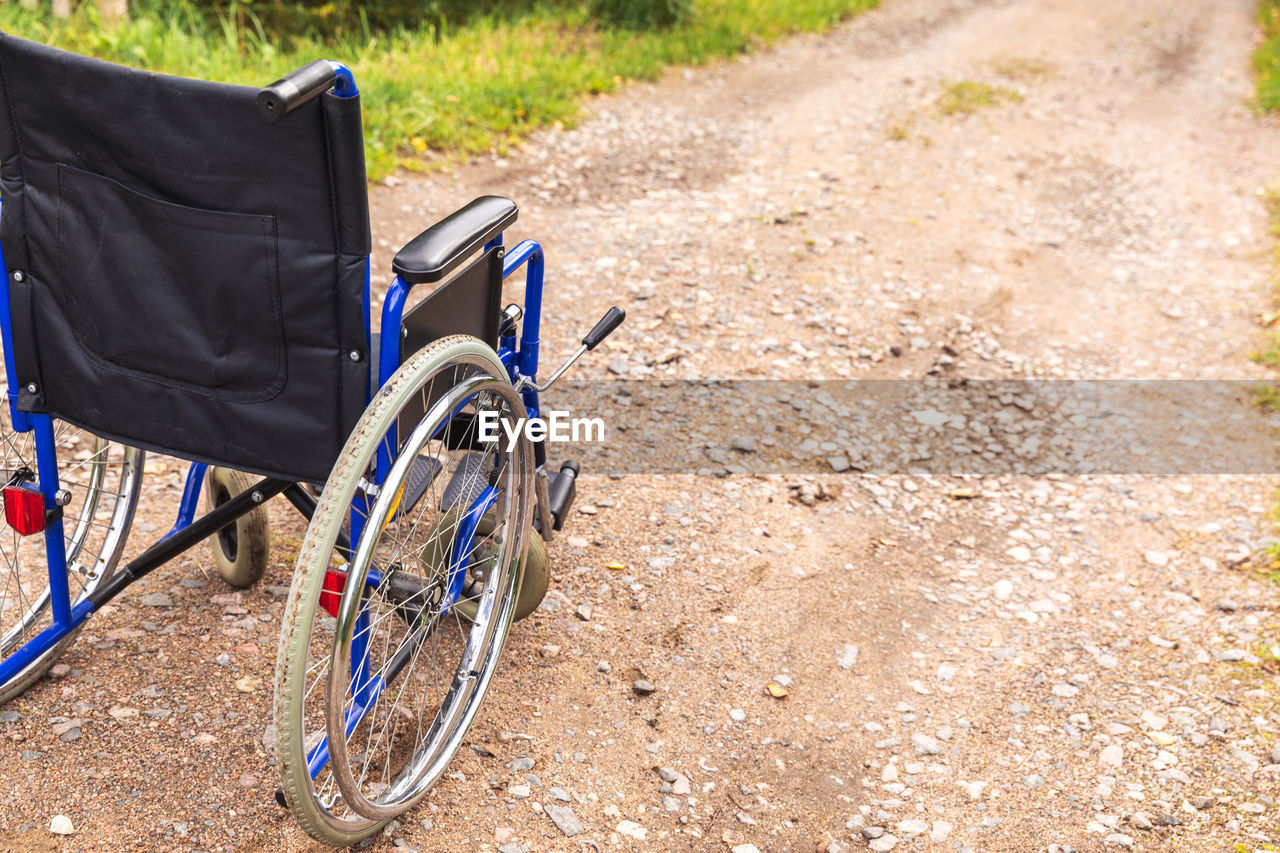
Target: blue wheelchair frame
pixel 519 357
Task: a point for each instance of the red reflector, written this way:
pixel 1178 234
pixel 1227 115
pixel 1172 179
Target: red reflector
pixel 331 591
pixel 24 509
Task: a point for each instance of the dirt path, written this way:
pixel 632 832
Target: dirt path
pixel 999 663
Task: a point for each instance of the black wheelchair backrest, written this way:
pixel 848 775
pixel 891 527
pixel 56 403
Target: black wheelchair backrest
pixel 183 275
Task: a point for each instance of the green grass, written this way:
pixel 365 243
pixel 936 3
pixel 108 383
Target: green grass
pixel 1267 564
pixel 968 96
pixel 1267 398
pixel 1270 352
pixel 1266 59
pixel 478 87
pixel 1023 68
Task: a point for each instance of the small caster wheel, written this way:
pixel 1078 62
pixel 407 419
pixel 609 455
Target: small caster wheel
pixel 240 550
pixel 537 567
pixel 537 576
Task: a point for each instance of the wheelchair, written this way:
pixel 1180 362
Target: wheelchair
pixel 186 271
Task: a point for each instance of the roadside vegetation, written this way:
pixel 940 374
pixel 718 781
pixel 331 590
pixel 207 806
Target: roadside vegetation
pixel 967 96
pixel 960 98
pixel 1266 59
pixel 1266 62
pixel 1267 395
pixel 447 86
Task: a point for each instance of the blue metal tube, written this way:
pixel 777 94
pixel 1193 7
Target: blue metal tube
pixel 389 362
pixel 360 681
pixel 529 252
pixel 55 546
pixel 42 642
pixel 360 642
pixel 190 498
pixel 507 354
pixel 344 86
pixel 319 756
pixel 464 541
pixel 389 328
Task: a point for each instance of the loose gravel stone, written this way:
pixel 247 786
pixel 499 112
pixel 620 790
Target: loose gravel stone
pixel 925 745
pixel 911 828
pixel 564 819
pixel 883 844
pixel 680 784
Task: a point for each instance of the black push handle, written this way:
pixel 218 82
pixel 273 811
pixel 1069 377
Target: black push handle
pixel 295 89
pixel 611 320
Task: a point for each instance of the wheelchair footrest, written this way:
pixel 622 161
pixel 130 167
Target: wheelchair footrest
pixel 468 481
pixel 423 473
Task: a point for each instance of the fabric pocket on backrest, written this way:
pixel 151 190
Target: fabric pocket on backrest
pixel 172 294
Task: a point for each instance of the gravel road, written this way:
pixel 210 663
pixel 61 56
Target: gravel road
pixel 842 656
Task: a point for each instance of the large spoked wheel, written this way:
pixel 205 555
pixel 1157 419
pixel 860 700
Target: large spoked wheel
pixel 102 480
pixel 242 548
pixel 371 705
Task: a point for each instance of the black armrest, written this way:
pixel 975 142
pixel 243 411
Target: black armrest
pixel 434 253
